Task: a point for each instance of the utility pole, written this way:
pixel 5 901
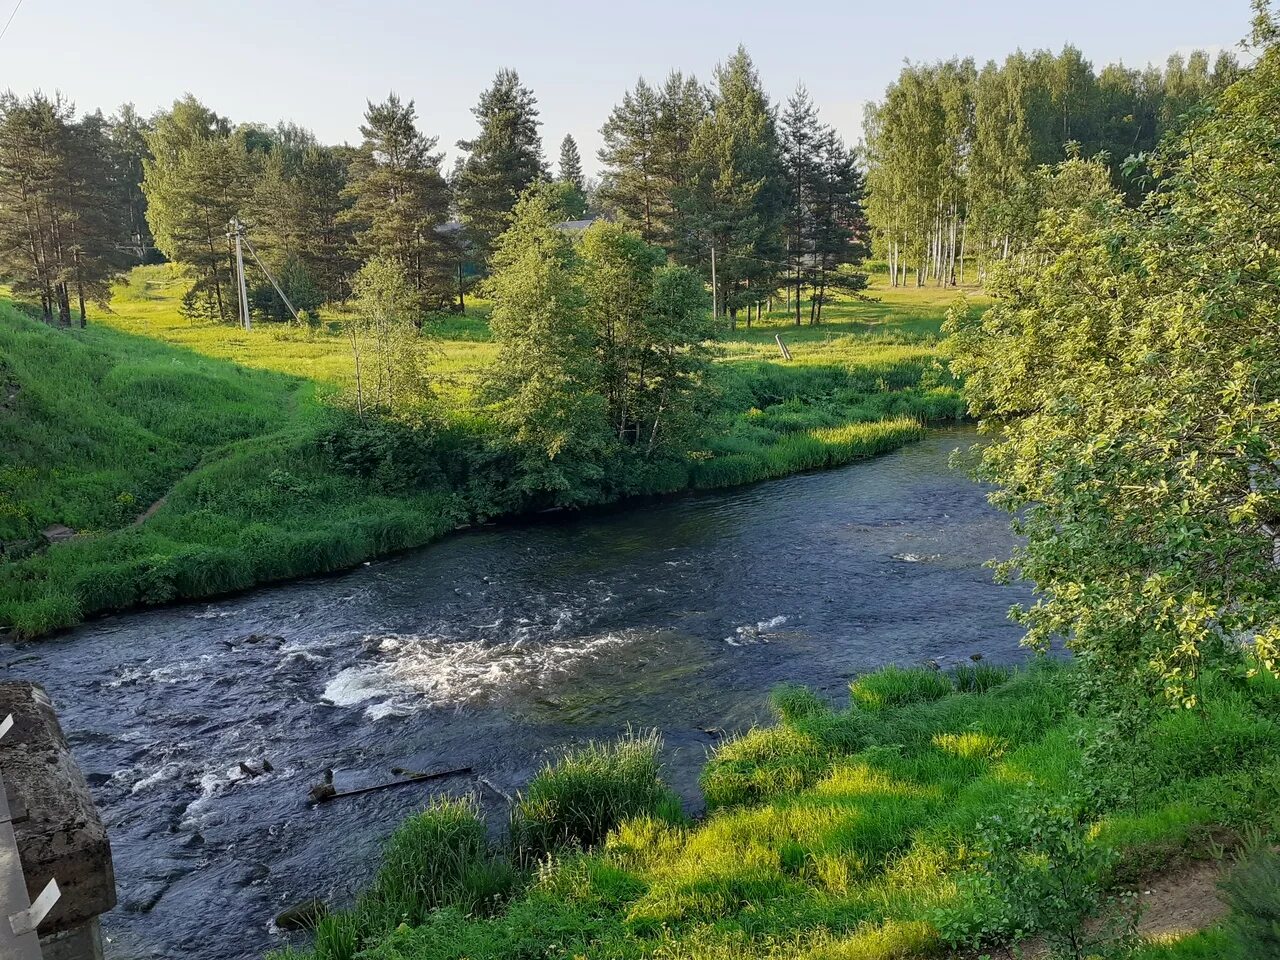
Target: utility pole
pixel 237 232
pixel 715 291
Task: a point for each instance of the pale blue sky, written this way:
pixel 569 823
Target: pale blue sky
pixel 317 62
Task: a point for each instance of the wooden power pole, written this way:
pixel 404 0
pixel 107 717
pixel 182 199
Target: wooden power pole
pixel 237 234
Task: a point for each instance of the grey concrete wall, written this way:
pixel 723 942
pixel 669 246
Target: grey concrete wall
pixel 62 835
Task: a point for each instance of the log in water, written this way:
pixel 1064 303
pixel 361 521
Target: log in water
pixel 493 650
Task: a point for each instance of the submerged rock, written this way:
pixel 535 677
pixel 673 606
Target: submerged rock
pixel 302 916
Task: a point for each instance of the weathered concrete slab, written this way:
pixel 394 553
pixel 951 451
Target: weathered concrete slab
pixel 62 835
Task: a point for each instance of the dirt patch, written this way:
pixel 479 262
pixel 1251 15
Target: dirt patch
pixel 1182 900
pixel 1179 900
pixel 150 512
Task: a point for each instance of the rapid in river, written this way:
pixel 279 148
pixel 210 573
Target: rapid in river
pixel 493 650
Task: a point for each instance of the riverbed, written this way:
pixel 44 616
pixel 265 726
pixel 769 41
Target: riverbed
pixel 202 727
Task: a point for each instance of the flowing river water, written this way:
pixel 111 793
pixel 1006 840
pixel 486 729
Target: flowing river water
pixel 494 649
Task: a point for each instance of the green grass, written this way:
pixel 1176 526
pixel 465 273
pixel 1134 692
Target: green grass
pixel 848 833
pixel 258 478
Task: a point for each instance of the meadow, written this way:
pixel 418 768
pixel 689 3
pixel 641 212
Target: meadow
pixel 189 459
pixel 933 812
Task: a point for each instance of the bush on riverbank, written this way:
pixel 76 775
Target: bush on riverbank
pixel 853 833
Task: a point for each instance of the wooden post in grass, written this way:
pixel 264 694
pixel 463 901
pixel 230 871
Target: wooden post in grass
pixel 786 354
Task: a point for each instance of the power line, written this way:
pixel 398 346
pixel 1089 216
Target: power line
pixel 10 20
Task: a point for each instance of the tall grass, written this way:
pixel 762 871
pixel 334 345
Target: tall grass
pixel 578 800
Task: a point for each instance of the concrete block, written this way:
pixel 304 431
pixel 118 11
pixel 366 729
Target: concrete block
pixel 62 835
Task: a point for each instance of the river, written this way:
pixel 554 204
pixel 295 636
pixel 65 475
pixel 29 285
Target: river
pixel 493 649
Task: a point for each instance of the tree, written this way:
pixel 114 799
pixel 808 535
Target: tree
pixel 823 224
pixel 503 159
pixel 572 186
pixel 385 345
pixel 616 274
pixel 952 150
pixel 399 201
pixel 96 225
pixel 128 135
pixel 734 199
pixel 197 179
pixel 1134 408
pixel 646 154
pixel 61 219
pixel 571 163
pixel 541 384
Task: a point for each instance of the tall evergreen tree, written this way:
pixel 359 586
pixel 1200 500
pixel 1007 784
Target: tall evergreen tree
pixel 647 139
pixel 573 187
pixel 399 200
pixel 197 179
pixel 799 132
pixel 61 216
pixel 735 200
pixel 503 159
pixel 128 134
pixel 571 163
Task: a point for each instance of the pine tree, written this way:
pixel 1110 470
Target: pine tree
pixel 61 217
pixel 128 135
pixel 799 132
pixel 199 177
pixel 735 199
pixel 572 186
pixel 503 159
pixel 571 163
pixel 399 200
pixel 647 140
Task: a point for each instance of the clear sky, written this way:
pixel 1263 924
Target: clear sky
pixel 316 62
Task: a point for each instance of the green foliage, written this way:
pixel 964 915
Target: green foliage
pixel 979 677
pixel 577 800
pixel 953 148
pixel 262 479
pixel 62 214
pixel 197 178
pixel 1039 872
pixel 857 833
pixel 894 686
pixel 502 161
pixel 542 382
pixel 1134 413
pixel 438 858
pixel 1253 892
pixel 390 373
pixel 399 200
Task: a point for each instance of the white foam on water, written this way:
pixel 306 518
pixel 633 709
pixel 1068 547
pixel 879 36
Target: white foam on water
pixel 416 672
pixel 917 557
pixel 168 771
pixel 757 632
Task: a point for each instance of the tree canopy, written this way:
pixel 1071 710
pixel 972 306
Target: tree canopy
pixel 1129 376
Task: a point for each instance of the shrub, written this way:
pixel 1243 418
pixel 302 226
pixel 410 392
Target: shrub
pixel 1253 892
pixel 577 801
pixel 894 686
pixel 1039 873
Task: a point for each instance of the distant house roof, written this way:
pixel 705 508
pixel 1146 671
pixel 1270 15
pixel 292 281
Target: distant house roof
pixel 575 226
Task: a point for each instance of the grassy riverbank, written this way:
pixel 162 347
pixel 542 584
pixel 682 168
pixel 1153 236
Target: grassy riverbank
pixel 857 833
pixel 188 460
